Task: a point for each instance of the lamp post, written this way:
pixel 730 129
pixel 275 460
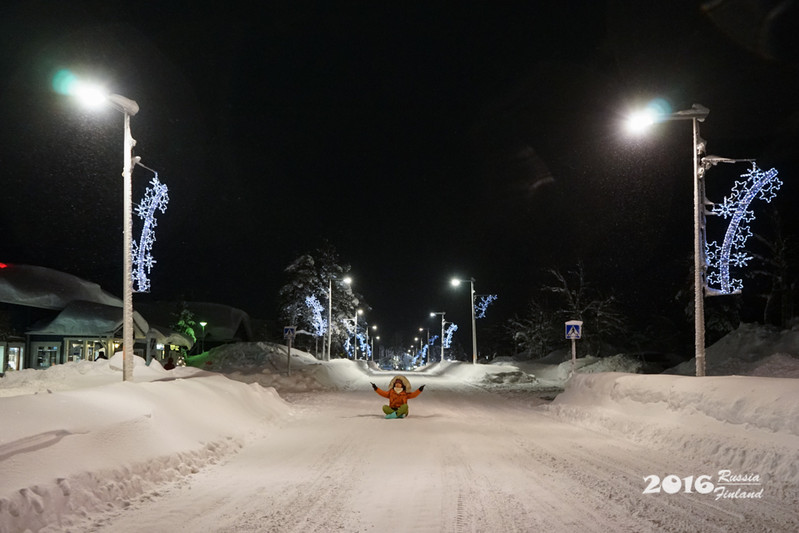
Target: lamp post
pixel 442 313
pixel 355 334
pixel 374 328
pixel 346 280
pixel 696 114
pixel 94 96
pixel 202 344
pixel 428 340
pixel 456 282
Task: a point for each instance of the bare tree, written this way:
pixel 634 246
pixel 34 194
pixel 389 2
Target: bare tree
pixel 777 265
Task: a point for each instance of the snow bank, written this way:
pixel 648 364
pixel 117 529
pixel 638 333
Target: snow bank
pixel 69 452
pixel 746 350
pixel 746 424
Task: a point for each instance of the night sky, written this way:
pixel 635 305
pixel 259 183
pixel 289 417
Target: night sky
pixel 421 139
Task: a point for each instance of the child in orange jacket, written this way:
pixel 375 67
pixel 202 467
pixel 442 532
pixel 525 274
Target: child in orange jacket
pixel 398 397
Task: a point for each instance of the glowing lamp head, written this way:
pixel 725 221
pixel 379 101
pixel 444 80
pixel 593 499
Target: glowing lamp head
pixel 455 282
pixel 640 121
pixel 656 110
pixel 347 280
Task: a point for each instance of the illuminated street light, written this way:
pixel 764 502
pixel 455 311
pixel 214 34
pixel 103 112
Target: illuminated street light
pixel 202 344
pixel 374 328
pixel 95 97
pixel 428 342
pixel 346 280
pixel 355 334
pixel 443 323
pixel 455 283
pixel 637 123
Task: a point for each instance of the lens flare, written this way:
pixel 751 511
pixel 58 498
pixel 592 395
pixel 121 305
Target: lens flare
pixel 655 111
pixel 89 94
pixel 64 81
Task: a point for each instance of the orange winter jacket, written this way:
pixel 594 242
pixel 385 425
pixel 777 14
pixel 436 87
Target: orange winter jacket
pixel 397 400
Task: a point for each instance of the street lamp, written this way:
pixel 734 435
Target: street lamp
pixel 428 339
pixel 442 313
pixel 355 334
pixel 94 96
pixel 202 343
pixel 455 283
pixel 346 280
pixel 374 328
pixel 641 120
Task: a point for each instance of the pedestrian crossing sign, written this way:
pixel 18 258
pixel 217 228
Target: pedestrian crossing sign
pixel 574 329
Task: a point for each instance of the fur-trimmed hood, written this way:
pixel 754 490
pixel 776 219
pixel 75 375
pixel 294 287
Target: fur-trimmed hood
pixel 404 381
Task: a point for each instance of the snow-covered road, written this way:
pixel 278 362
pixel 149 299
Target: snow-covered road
pixel 465 460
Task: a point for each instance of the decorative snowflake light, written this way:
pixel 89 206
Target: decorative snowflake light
pixel 451 329
pixel 484 301
pixel 364 347
pixel 155 198
pixel 763 185
pixel 318 320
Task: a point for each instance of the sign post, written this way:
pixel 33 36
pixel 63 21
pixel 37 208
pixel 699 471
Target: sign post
pixel 288 334
pixel 574 331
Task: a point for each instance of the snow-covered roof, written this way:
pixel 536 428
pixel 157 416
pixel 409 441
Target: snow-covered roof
pixel 223 322
pixel 164 335
pixel 35 286
pixel 89 319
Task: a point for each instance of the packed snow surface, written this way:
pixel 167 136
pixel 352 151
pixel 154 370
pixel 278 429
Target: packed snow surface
pixel 250 446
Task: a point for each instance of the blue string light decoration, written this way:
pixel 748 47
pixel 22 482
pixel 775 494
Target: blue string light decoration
pixel 451 329
pixel 760 184
pixel 364 347
pixel 484 301
pixel 155 198
pixel 318 320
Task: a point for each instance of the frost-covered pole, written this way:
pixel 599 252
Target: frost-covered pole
pixel 329 317
pixel 128 108
pixel 91 95
pixel 455 283
pixel 474 327
pixel 697 113
pixel 443 325
pixel 127 261
pixel 699 258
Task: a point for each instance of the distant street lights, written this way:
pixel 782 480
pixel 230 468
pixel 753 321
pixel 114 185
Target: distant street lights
pixel 94 96
pixel 455 283
pixel 443 323
pixel 346 280
pixel 202 343
pixel 640 121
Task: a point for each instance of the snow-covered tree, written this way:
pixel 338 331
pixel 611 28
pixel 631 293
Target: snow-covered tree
pixel 535 331
pixel 602 320
pixel 303 282
pixel 540 330
pixel 184 322
pixel 312 275
pixel 777 264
